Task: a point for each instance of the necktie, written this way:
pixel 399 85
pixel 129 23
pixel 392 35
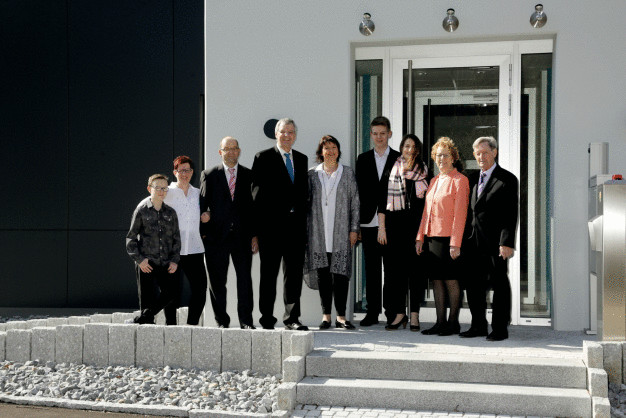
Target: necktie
pixel 231 183
pixel 481 183
pixel 289 166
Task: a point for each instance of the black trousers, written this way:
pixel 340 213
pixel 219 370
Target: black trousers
pixel 274 249
pixel 406 270
pixel 192 265
pixel 489 271
pixel 376 256
pixel 332 284
pixel 157 290
pixel 217 260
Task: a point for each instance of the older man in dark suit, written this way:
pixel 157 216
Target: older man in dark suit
pixel 280 190
pixel 493 216
pixel 372 175
pixel 228 231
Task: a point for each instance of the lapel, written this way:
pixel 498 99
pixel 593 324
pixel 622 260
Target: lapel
pixel 223 180
pixel 492 179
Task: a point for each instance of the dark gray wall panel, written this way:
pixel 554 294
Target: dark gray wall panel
pixel 34 268
pixel 121 106
pixel 33 113
pixel 188 81
pixel 101 274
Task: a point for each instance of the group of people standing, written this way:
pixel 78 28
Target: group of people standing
pixel 309 220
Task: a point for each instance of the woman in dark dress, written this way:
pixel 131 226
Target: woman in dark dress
pixel 399 223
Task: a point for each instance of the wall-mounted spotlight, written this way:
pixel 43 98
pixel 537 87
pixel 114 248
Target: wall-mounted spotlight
pixel 366 27
pixel 450 23
pixel 539 18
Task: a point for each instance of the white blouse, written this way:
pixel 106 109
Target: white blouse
pixel 188 211
pixel 329 200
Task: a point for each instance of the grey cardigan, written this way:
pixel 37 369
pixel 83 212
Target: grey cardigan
pixel 346 221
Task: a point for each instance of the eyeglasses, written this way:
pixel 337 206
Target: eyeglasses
pixel 160 189
pixel 442 155
pixel 232 149
pixel 184 171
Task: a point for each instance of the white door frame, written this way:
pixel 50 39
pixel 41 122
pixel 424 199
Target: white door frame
pixel 505 55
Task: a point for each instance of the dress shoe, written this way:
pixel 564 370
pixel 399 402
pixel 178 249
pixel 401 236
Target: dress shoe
pixel 498 335
pixel 325 325
pixel 473 332
pixel 296 326
pixel 222 325
pixel 247 326
pixel 344 325
pixel 415 328
pixel 450 328
pixel 402 322
pixel 435 329
pixel 368 320
pixel 268 326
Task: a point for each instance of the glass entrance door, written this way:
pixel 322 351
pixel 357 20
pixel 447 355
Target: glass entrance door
pixel 461 98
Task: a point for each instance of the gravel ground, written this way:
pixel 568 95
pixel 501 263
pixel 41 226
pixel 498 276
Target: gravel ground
pixel 617 397
pixel 193 389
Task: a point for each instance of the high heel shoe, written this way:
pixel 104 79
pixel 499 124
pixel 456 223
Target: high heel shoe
pixel 415 327
pixel 451 328
pixel 403 322
pixel 435 330
pixel 344 325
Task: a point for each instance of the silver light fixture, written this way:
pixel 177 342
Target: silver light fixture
pixel 366 27
pixel 539 18
pixel 450 23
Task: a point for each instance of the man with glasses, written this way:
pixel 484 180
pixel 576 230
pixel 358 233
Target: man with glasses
pixel 227 231
pixel 153 242
pixel 280 190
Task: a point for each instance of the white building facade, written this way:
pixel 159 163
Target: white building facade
pixel 545 93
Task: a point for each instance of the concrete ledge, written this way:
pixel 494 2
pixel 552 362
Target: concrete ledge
pixel 598 382
pixel 3 342
pixel 202 413
pixel 287 396
pixel 612 358
pixel 206 348
pixel 18 346
pixel 177 348
pixel 95 337
pixel 592 354
pixel 55 322
pixel 100 318
pixel 122 344
pixel 302 343
pixel 236 349
pixel 266 351
pixel 78 320
pixel 293 369
pixel 3 326
pixel 69 344
pixel 601 408
pixel 150 343
pixel 16 325
pixel 43 343
pixel 121 317
pixel 32 323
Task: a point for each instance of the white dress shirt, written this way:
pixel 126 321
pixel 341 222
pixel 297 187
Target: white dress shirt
pixel 329 200
pixel 282 154
pixel 380 160
pixel 188 211
pixel 227 172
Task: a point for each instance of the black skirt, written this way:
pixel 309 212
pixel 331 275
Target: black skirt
pixel 442 266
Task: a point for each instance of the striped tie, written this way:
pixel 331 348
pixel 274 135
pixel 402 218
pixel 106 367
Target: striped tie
pixel 481 183
pixel 231 183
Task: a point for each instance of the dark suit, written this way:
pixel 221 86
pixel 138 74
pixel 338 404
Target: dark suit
pixel 228 233
pixel 280 211
pixel 372 194
pixel 493 218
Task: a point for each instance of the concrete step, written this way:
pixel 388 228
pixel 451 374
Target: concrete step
pixel 444 396
pixel 441 367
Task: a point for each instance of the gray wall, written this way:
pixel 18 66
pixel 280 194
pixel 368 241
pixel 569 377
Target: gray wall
pixel 96 96
pixel 273 59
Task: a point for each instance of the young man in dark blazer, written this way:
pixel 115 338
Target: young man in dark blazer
pixel 280 191
pixel 493 217
pixel 372 174
pixel 228 231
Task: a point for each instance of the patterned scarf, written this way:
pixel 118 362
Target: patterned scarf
pixel 396 188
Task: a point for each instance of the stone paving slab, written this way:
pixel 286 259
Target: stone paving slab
pixel 206 348
pixel 177 348
pixel 95 337
pixel 43 343
pixel 523 342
